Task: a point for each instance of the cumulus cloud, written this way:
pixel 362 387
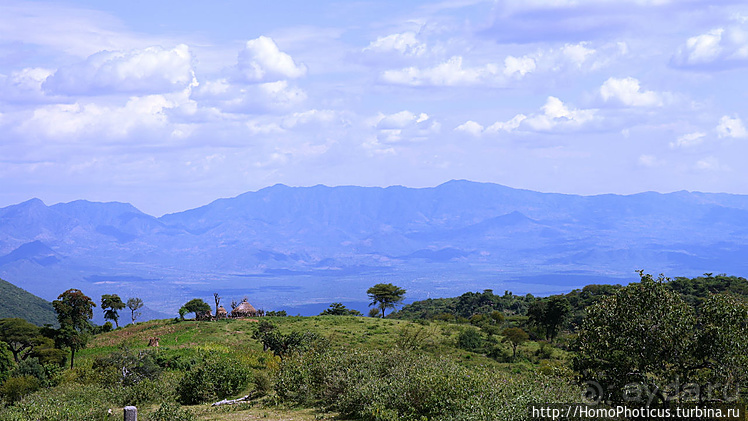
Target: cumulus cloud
pixel 720 48
pixel 24 86
pixel 150 70
pixel 475 129
pixel 577 53
pixel 262 61
pixel 405 44
pixel 470 127
pixel 448 73
pixel 73 121
pixel 731 127
pixel 557 115
pixel 627 91
pixel 518 66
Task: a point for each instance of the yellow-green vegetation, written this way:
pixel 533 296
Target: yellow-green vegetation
pixel 337 367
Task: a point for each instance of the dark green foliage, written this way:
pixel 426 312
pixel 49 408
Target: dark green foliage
pixel 171 411
pixel 18 303
pixel 698 289
pixel 218 377
pixel 197 306
pixel 263 383
pixel 15 388
pixel 282 345
pixel 470 339
pixel 74 310
pixel 550 314
pixel 338 309
pixel 485 303
pixel 46 374
pixel 385 296
pixel 20 335
pixel 646 334
pixel 279 313
pixel 6 361
pixel 111 304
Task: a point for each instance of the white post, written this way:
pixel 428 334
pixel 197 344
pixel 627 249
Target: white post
pixel 131 413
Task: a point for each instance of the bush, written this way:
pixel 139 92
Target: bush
pixel 125 367
pixel 171 411
pixel 400 385
pixel 15 388
pixel 263 384
pixel 470 339
pixel 71 402
pixel 219 377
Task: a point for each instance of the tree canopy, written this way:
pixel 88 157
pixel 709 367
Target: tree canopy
pixel 74 310
pixel 385 296
pixel 195 305
pixel 134 304
pixel 338 309
pixel 111 304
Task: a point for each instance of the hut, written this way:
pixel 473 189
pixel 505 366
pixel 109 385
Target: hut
pixel 244 309
pixel 203 315
pixel 221 313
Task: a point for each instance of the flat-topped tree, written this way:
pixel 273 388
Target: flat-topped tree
pixel 20 335
pixel 197 306
pixel 134 304
pixel 385 296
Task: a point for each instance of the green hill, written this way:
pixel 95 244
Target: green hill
pixel 17 302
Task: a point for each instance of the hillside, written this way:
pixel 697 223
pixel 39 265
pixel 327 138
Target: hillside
pixel 16 302
pixel 290 247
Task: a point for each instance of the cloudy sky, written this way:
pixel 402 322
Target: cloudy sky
pixel 169 105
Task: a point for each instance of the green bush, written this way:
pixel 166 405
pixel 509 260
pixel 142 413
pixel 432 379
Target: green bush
pixel 470 339
pixel 62 403
pixel 171 411
pixel 15 388
pixel 219 377
pixel 400 385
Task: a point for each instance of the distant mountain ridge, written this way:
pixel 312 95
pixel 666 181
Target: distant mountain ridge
pixel 286 246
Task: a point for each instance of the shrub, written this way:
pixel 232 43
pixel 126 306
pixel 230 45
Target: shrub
pixel 220 376
pixel 125 367
pixel 263 384
pixel 171 411
pixel 71 402
pixel 470 339
pixel 15 388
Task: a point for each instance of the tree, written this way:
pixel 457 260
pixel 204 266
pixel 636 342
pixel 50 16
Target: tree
pixel 642 336
pixel 516 337
pixel 20 335
pixel 338 309
pixel 549 314
pixel 74 310
pixel 111 304
pixel 134 304
pixel 385 296
pixel 197 306
pixel 217 299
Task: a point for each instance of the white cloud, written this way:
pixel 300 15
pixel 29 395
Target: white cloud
pixel 556 115
pixel 262 60
pixel 449 73
pixel 649 161
pixel 717 49
pixel 507 126
pixel 470 127
pixel 710 163
pixel 577 53
pixel 403 126
pixel 688 140
pixel 254 98
pixel 627 92
pixel 150 70
pixel 731 127
pixel 405 43
pixel 24 86
pixel 520 66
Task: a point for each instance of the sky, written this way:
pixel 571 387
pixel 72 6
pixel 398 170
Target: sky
pixel 169 105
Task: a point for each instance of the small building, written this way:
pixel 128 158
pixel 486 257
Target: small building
pixel 244 309
pixel 221 313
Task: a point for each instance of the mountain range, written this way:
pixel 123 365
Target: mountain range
pixel 305 247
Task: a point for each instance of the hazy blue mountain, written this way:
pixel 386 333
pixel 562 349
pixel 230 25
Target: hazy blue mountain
pixel 285 247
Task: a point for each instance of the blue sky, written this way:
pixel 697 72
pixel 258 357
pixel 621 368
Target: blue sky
pixel 169 105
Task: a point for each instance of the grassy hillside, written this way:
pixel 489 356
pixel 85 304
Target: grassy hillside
pixel 16 302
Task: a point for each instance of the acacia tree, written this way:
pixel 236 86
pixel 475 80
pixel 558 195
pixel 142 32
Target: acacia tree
pixel 385 296
pixel 20 335
pixel 111 304
pixel 217 298
pixel 134 304
pixel 74 310
pixel 516 337
pixel 197 306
